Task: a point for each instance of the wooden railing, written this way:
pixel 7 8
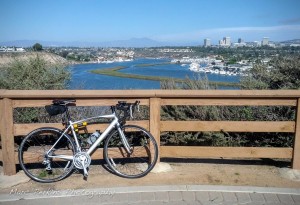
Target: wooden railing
pixel 10 99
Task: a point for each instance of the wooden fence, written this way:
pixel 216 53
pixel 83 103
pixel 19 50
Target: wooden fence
pixel 10 99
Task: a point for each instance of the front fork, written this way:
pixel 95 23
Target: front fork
pixel 124 140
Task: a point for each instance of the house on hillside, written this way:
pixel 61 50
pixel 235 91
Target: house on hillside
pixel 12 49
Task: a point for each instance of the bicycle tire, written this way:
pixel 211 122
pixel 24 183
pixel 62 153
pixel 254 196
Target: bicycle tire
pixel 32 155
pixel 143 156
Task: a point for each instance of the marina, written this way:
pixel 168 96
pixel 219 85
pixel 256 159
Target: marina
pixel 214 66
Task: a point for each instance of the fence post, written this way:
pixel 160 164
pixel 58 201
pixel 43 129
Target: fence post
pixel 155 121
pixel 296 151
pixel 7 137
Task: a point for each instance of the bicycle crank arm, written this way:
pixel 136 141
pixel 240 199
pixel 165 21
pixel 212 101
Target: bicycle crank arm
pixel 85 172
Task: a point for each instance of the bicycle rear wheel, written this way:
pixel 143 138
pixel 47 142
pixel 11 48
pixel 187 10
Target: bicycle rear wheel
pixel 142 157
pixel 34 161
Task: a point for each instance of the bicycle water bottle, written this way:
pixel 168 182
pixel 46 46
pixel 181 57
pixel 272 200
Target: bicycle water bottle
pixel 93 137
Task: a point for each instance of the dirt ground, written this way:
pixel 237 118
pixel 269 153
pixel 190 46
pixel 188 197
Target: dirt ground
pixel 184 172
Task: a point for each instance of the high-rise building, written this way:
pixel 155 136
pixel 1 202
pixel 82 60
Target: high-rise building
pixel 227 41
pixel 256 43
pixel 239 43
pixel 221 43
pixel 207 42
pixel 265 41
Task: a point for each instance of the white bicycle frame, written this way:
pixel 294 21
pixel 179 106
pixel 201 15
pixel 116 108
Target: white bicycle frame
pixel 113 125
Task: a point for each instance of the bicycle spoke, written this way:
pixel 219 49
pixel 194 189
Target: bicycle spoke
pixel 33 158
pixel 141 158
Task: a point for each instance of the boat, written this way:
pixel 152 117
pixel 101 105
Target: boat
pixel 195 67
pixel 223 72
pixel 207 70
pixel 216 71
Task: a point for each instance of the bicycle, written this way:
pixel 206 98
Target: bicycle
pixel 49 154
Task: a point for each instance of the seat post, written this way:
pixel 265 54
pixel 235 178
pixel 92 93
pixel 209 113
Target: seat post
pixel 67 115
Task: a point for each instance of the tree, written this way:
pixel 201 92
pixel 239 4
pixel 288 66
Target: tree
pixel 37 47
pixel 64 54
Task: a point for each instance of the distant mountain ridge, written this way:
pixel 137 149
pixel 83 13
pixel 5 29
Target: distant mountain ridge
pixel 133 42
pixel 294 41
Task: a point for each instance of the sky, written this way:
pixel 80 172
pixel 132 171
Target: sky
pixel 161 20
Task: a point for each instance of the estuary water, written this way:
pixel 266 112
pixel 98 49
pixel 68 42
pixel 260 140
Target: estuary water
pixel 82 78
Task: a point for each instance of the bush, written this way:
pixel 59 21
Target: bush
pixel 34 73
pixel 281 73
pixel 228 113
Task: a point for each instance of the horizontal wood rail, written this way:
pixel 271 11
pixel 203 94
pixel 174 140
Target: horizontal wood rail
pixel 228 126
pixel 10 99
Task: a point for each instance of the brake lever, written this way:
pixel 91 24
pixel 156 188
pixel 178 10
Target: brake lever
pixel 130 108
pixel 113 109
pixel 137 104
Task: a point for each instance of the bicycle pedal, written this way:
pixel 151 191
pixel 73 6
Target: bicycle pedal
pixel 85 177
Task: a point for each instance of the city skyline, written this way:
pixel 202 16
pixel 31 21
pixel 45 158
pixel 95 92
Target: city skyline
pixel 163 21
pixel 227 42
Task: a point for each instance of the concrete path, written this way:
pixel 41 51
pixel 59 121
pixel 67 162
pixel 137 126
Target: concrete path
pixel 189 194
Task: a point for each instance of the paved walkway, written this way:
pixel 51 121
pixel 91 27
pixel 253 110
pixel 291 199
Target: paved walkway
pixel 146 195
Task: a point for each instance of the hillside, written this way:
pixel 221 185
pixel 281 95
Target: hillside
pixel 6 58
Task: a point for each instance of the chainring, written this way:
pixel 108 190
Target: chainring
pixel 82 160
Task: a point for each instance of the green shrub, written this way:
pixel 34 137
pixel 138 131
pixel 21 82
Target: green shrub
pixel 260 79
pixel 280 73
pixel 34 73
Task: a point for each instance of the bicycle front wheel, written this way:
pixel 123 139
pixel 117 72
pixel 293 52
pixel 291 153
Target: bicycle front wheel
pixel 141 158
pixel 38 162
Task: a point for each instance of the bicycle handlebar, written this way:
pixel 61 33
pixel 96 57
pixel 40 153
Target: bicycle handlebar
pixel 127 108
